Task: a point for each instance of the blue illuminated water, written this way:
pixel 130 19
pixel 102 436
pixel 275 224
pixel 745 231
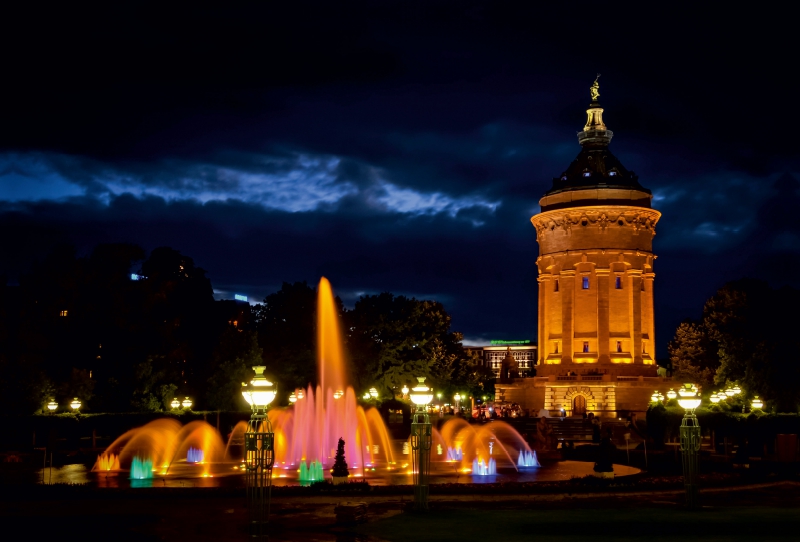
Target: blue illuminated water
pixel 528 458
pixel 194 455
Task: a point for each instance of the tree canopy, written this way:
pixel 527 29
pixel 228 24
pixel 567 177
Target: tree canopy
pixel 747 336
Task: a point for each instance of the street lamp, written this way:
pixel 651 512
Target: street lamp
pixel 75 405
pixel 293 398
pixel 729 392
pixel 52 405
pixel 259 450
pixel 404 389
pixel 757 403
pixel 338 394
pixel 373 392
pixel 186 403
pixel 654 397
pixel 715 398
pixel 175 404
pixel 690 441
pixel 457 399
pixel 737 390
pixel 366 396
pixel 421 443
pixel 672 394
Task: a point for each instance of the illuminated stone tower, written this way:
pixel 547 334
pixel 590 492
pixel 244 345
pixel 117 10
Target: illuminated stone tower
pixel 595 235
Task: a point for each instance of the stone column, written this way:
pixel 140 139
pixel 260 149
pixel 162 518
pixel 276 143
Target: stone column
pixel 567 286
pixel 636 314
pixel 603 295
pixel 542 349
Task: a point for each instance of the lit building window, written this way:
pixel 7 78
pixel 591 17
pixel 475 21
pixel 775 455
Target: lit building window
pixel 62 313
pixel 618 283
pixel 619 346
pixel 585 346
pixel 585 283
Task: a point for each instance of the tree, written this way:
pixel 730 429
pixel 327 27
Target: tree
pixel 693 354
pixel 394 339
pixel 232 362
pixel 339 464
pixel 757 339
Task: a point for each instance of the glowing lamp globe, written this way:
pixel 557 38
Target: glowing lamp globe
pixel 757 403
pixel 737 390
pixel 52 405
pixel 688 397
pixel 654 397
pixel 660 396
pixel 338 394
pixel 672 394
pixel 373 393
pixel 405 390
pixel 175 404
pixel 293 398
pixel 75 404
pixel 260 392
pixel 186 403
pixel 421 395
pixel 715 398
pixel 457 397
pixel 300 394
pixel 366 396
pixel 729 392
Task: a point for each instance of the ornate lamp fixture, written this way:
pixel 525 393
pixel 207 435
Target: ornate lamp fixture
pixel 373 392
pixel 690 441
pixel 672 394
pixel 175 404
pixel 52 406
pixel 404 389
pixel 186 403
pixel 259 393
pixel 293 398
pixel 715 398
pixel 259 450
pixel 338 394
pixel 421 441
pixel 757 403
pixel 737 390
pixel 75 404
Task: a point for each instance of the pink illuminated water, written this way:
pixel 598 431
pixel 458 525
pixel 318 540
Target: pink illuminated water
pixel 310 429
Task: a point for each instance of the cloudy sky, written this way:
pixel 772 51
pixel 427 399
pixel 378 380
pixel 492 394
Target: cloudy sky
pixel 397 146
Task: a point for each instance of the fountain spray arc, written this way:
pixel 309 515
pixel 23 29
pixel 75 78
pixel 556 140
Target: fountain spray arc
pixel 690 442
pixel 259 450
pixel 421 441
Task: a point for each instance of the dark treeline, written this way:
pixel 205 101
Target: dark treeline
pixel 747 335
pixel 80 326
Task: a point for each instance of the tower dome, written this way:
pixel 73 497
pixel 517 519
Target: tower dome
pixel 595 169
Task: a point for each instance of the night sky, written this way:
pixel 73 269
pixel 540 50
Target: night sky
pixel 397 146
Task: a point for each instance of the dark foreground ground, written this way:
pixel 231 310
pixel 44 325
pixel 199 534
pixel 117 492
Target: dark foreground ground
pixel 766 511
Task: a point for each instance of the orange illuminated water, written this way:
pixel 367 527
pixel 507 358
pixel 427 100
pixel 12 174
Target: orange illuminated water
pixel 311 428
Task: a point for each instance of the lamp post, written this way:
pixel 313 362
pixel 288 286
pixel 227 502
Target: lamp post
pixel 259 450
pixel 421 440
pixel 175 404
pixel 690 442
pixel 457 399
pixel 52 406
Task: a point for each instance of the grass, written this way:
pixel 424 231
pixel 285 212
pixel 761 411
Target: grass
pixel 619 524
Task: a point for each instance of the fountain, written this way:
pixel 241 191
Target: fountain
pixel 479 468
pixel 194 455
pixel 528 459
pixel 107 463
pixel 141 468
pixel 495 440
pixel 311 473
pixel 310 429
pixel 454 454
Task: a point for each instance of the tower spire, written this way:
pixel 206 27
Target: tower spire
pixel 595 133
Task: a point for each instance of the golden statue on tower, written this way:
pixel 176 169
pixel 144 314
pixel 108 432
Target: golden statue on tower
pixel 595 89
